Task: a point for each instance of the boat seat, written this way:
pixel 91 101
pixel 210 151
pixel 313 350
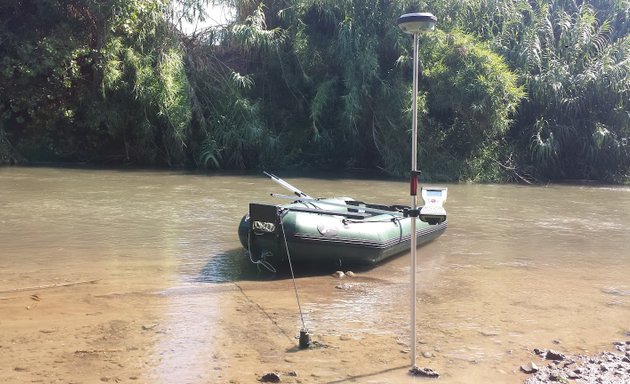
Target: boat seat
pixel 360 204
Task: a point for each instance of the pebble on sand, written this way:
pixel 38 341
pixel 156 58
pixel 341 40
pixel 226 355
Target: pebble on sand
pixel 270 377
pixel 529 368
pixel 604 367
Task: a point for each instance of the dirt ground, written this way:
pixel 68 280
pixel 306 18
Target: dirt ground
pixel 75 334
pixel 91 332
pixel 95 332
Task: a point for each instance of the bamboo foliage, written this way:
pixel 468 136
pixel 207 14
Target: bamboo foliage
pixel 472 96
pixel 227 128
pixel 118 93
pixel 578 68
pixel 155 79
pixel 507 88
pixel 253 33
pixel 572 58
pixel 345 70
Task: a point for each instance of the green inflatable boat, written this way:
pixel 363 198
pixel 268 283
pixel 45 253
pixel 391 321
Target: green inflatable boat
pixel 336 231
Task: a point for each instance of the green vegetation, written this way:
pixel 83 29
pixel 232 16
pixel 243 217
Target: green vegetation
pixel 509 90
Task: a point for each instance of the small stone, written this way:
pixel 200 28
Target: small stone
pixel 427 354
pixel 350 274
pixel 423 372
pixel 572 375
pixel 338 274
pixel 270 377
pixel 539 351
pixel 554 375
pixel 556 341
pixel 529 368
pixel 292 373
pixel 554 355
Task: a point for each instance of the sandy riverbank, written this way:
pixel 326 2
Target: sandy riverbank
pixel 94 332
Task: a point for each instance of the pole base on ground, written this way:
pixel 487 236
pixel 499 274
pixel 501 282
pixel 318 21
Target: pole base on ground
pixel 305 339
pixel 423 372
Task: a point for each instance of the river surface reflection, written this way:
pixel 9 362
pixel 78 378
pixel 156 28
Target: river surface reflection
pixel 519 266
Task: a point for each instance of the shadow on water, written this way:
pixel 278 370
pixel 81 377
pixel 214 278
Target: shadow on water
pixel 234 265
pixel 229 266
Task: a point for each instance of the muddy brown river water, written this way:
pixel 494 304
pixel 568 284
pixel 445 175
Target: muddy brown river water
pixel 138 276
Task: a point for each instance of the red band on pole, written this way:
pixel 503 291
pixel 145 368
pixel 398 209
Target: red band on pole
pixel 413 184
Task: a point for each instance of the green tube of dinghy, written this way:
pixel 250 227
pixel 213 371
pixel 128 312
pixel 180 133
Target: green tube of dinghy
pixel 320 238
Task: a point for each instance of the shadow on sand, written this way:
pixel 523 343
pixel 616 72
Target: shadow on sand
pixel 234 265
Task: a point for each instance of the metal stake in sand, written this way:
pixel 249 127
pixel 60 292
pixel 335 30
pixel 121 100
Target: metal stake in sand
pixel 414 23
pixel 305 337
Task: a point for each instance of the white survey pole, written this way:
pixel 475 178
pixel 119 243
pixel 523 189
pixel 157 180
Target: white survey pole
pixel 414 23
pixel 414 196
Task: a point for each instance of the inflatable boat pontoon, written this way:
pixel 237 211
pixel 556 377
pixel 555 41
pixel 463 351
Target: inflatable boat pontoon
pixel 336 231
